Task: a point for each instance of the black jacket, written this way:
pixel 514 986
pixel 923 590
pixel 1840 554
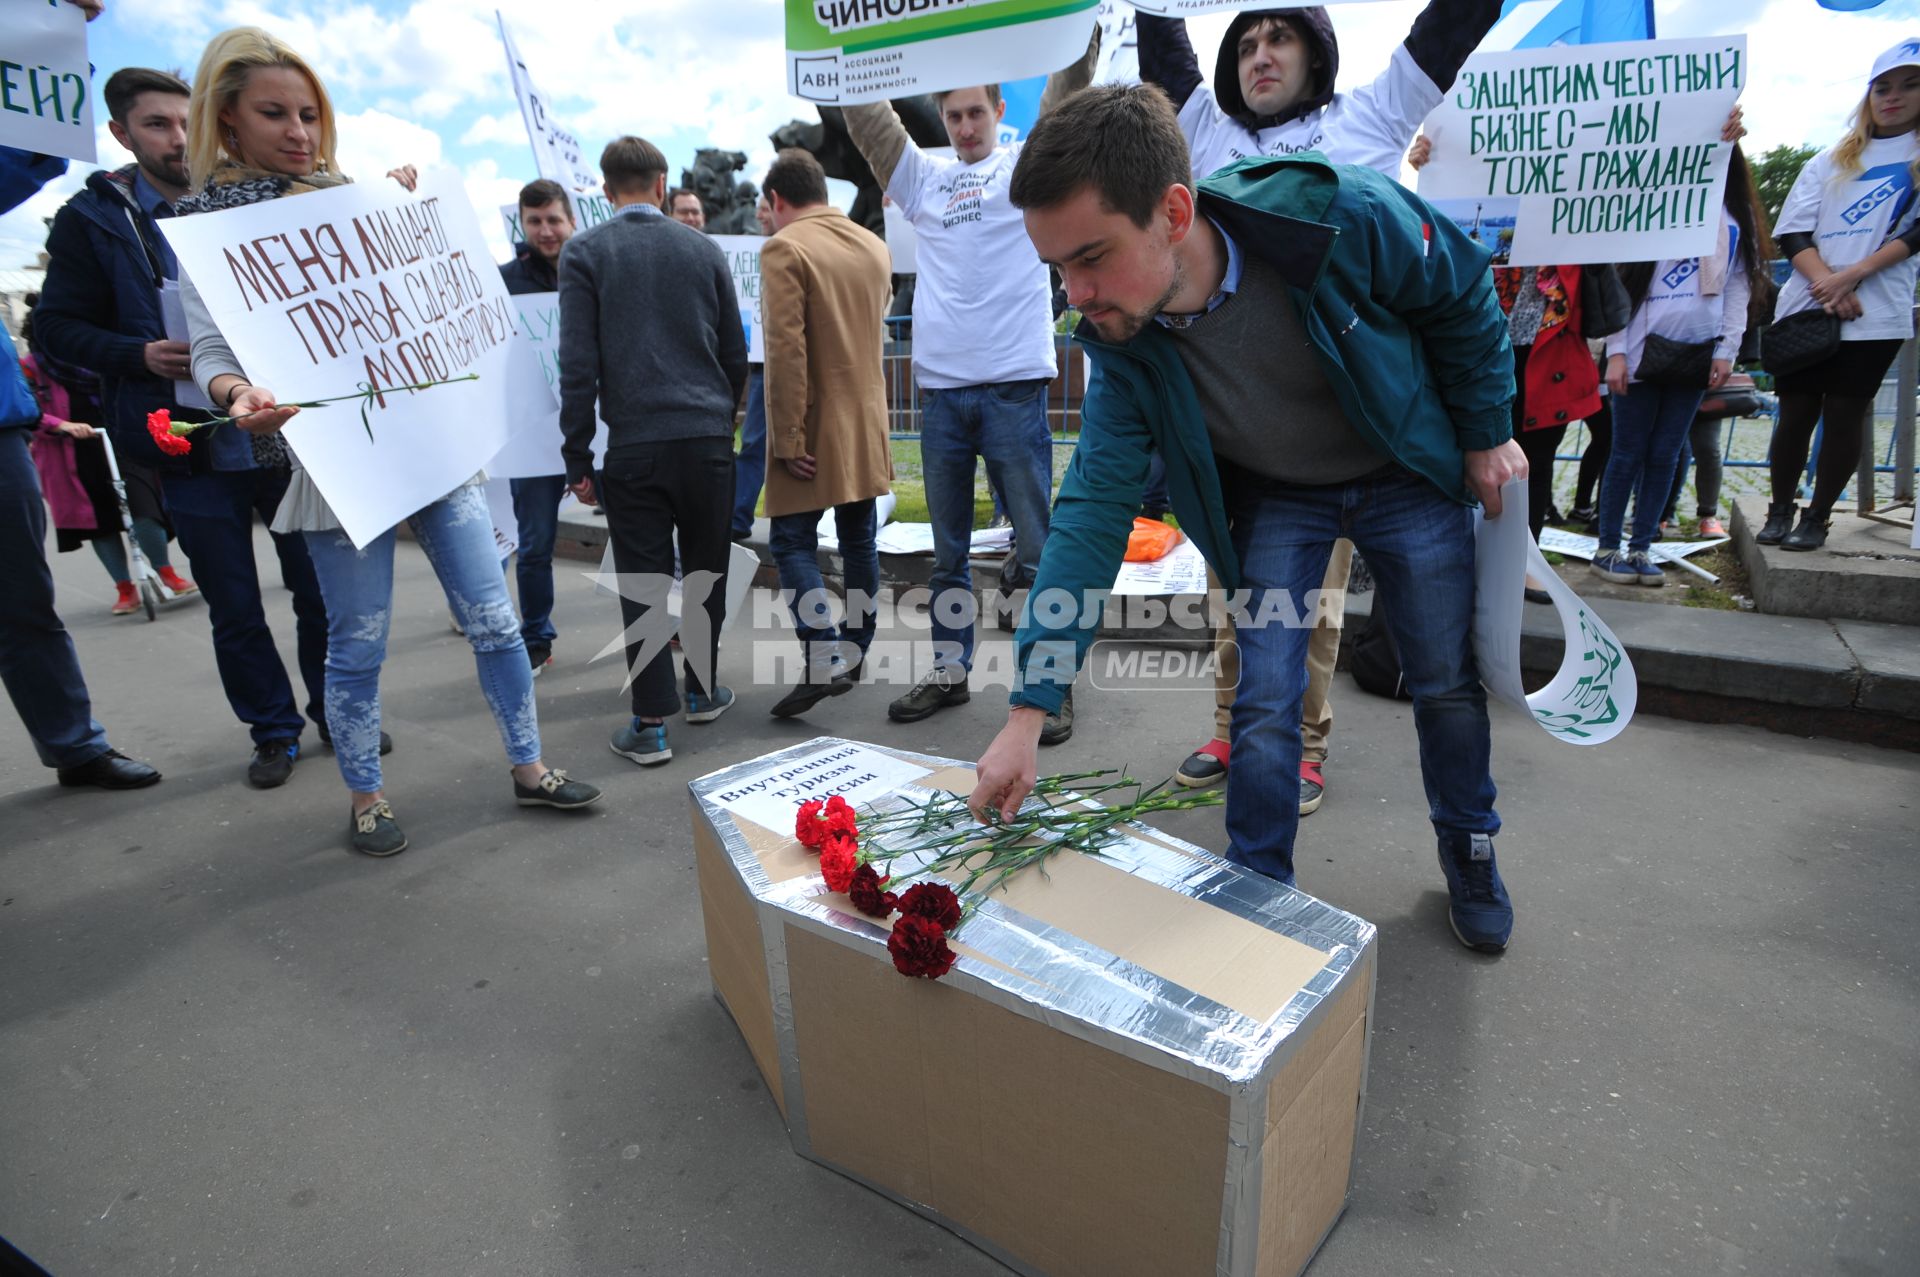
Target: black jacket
pixel 529 272
pixel 101 306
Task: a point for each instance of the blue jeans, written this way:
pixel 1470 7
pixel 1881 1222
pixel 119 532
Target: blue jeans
pixel 1156 497
pixel 1419 545
pixel 457 534
pixel 750 470
pixel 796 545
pixel 213 516
pixel 1650 423
pixel 536 509
pixel 1006 423
pixel 37 660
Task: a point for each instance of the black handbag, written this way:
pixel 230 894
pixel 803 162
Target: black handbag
pixel 1799 341
pixel 1605 307
pixel 1666 362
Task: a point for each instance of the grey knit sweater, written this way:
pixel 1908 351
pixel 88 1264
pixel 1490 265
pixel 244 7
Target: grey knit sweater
pixel 649 326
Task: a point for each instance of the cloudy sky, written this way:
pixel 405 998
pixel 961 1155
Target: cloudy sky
pixel 425 80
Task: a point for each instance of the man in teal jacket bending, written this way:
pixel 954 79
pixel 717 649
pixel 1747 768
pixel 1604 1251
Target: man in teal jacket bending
pixel 1315 353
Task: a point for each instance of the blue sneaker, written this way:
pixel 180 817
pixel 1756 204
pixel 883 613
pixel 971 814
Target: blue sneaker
pixel 1611 565
pixel 1480 912
pixel 1645 570
pixel 704 709
pixel 644 743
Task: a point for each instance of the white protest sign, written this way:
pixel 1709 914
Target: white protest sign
pixel 534 448
pixel 856 773
pixel 1183 570
pixel 368 288
pixel 506 525
pixel 847 51
pixel 1119 59
pixel 556 150
pixel 46 105
pixel 1588 152
pixel 743 260
pixel 1591 697
pixel 173 320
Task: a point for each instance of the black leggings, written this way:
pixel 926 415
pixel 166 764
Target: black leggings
pixel 1593 462
pixel 1846 420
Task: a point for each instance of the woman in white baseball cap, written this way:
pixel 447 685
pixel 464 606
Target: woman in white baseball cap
pixel 1850 227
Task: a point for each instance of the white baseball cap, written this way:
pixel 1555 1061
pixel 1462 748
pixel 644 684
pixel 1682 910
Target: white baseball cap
pixel 1904 54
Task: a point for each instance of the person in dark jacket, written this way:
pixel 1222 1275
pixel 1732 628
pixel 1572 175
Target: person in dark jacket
pixel 38 663
pixel 1379 409
pixel 546 222
pixel 109 274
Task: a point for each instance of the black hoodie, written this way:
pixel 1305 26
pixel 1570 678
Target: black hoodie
pixel 1443 36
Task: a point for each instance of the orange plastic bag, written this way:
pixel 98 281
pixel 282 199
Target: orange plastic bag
pixel 1151 540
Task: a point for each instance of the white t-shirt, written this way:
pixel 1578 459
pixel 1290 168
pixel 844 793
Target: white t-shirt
pixel 983 303
pixel 1850 219
pixel 1675 309
pixel 1372 126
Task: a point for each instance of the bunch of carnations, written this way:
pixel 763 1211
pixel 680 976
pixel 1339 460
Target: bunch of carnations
pixel 170 436
pixel 928 912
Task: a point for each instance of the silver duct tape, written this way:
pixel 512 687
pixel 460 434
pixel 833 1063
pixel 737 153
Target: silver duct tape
pixel 1042 972
pixel 1165 1023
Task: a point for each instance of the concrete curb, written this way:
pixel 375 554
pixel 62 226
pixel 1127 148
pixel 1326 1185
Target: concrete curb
pixel 1848 679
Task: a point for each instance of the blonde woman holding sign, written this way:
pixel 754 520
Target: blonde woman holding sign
pixel 260 127
pixel 1850 228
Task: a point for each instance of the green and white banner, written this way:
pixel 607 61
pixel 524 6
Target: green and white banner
pixel 843 52
pixel 1588 152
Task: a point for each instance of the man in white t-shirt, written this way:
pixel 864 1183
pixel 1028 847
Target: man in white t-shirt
pixel 983 357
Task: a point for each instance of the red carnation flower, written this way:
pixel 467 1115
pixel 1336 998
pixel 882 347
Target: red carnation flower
pixel 933 901
pixel 160 426
pixel 918 947
pixel 868 894
pixel 839 857
pixel 839 817
pixel 808 827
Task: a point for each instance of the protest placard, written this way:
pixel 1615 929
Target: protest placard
pixel 846 51
pixel 743 259
pixel 1588 153
pixel 1591 697
pixel 534 448
pixel 368 288
pixel 46 103
pixel 556 148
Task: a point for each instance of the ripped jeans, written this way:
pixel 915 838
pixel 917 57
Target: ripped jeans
pixel 457 534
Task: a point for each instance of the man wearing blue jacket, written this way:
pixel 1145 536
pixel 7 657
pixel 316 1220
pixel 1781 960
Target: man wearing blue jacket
pixel 38 664
pixel 1314 353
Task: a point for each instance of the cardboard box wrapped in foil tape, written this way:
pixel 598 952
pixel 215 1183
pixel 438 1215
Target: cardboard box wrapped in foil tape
pixel 1149 1062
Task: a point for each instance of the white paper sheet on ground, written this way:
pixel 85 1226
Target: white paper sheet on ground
pixel 742 563
pixel 1182 571
pixel 1559 541
pixel 905 538
pixel 1591 697
pixel 506 528
pixel 173 319
pixel 855 772
pixel 830 531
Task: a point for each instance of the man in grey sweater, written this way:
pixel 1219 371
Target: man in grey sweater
pixel 650 326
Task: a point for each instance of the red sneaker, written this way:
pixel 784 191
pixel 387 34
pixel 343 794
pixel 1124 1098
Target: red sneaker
pixel 175 582
pixel 129 601
pixel 1312 787
pixel 1205 767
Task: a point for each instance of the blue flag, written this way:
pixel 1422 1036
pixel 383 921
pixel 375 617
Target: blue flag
pixel 1589 22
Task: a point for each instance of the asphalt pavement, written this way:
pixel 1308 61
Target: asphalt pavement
pixel 229 1045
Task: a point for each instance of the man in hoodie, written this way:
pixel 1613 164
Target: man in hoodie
pixel 546 224
pixel 1273 94
pixel 108 269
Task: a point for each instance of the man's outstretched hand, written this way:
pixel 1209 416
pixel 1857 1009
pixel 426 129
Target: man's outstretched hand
pixel 1004 775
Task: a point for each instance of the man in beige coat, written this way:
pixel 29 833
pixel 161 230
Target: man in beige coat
pixel 824 282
